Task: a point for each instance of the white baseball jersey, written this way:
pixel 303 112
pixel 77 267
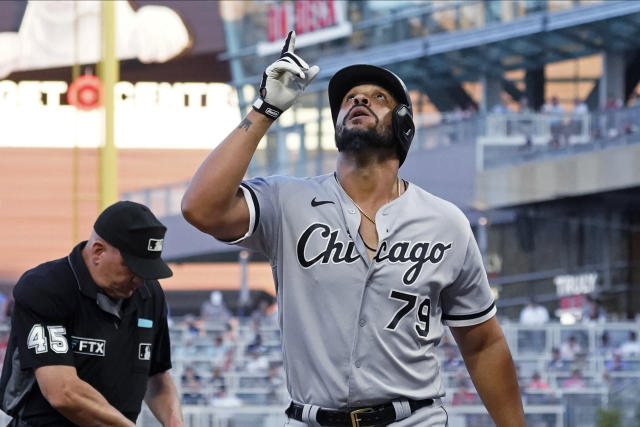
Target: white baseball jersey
pixel 357 332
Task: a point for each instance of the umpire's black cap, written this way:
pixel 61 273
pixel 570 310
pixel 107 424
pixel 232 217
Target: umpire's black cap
pixel 137 233
pixel 345 79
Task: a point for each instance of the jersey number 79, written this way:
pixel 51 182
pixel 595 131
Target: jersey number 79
pixel 410 300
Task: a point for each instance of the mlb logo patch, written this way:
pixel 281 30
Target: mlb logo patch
pixel 144 351
pixel 155 245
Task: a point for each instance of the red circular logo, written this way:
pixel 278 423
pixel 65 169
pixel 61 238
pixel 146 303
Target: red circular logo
pixel 85 93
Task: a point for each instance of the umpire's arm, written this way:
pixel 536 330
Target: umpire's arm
pixel 491 367
pixel 162 399
pixel 76 399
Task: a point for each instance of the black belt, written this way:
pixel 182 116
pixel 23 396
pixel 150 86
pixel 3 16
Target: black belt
pixel 380 415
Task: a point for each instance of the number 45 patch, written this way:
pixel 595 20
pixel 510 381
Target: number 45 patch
pixel 37 339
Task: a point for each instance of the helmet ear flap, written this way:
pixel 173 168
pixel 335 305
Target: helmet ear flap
pixel 403 129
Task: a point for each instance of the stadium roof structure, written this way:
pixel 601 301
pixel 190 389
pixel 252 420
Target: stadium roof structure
pixel 525 43
pixel 447 59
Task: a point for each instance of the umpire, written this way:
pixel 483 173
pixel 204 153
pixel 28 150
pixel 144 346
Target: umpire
pixel 89 336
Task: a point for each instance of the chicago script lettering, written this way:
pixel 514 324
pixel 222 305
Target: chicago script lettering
pixel 419 253
pixel 332 247
pixel 327 248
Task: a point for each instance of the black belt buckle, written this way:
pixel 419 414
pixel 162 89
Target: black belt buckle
pixel 355 417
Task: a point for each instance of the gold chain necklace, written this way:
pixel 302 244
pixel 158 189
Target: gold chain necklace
pixel 357 206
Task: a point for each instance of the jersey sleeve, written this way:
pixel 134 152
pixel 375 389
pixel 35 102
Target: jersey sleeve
pixel 41 323
pixel 262 199
pixel 161 354
pixel 469 300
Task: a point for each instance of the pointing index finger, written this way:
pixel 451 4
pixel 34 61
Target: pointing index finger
pixel 289 43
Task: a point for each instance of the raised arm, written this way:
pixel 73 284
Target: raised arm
pixel 213 202
pixel 488 360
pixel 76 399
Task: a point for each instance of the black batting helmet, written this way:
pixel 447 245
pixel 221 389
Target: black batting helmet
pixel 354 75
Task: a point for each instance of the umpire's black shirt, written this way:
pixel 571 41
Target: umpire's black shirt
pixel 62 318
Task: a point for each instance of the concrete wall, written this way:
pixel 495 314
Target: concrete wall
pixel 599 171
pixel 447 172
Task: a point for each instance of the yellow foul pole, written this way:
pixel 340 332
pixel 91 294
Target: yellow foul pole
pixel 75 187
pixel 109 74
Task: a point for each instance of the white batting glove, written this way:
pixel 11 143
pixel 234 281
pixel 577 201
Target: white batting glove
pixel 284 81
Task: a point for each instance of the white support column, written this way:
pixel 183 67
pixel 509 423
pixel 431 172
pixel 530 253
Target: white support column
pixel 491 92
pixel 612 79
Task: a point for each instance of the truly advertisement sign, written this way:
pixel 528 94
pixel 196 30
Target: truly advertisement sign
pixel 575 284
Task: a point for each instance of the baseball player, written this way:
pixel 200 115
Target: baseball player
pixel 367 266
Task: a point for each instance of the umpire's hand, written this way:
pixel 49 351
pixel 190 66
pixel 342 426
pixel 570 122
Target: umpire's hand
pixel 283 81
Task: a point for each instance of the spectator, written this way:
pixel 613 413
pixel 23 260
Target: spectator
pixel 223 399
pixel 258 362
pixel 216 382
pixel 501 107
pixel 631 347
pixel 610 107
pixel 534 314
pixel 218 351
pixel 570 350
pixel 605 347
pixel 187 348
pixel 579 107
pixel 578 115
pixel 452 360
pixel 192 327
pixel 556 122
pixel 524 106
pixel 615 363
pixel 265 315
pixel 593 312
pixel 556 362
pixel 612 103
pixel 255 345
pixel 525 122
pixel 463 395
pixel 457 114
pixel 537 383
pixel 214 310
pixel 230 334
pixel 191 387
pixel 575 381
pixel 275 384
pixel 471 110
pixel 537 392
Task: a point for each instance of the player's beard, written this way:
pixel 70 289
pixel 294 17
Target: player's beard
pixel 356 140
